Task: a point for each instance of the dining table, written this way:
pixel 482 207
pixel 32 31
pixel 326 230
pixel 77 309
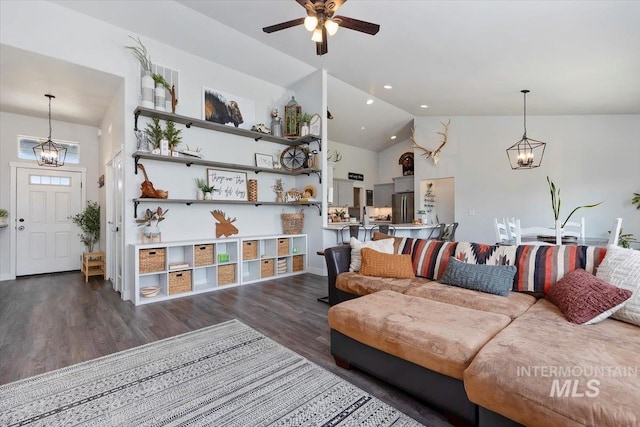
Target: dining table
pixel 586 241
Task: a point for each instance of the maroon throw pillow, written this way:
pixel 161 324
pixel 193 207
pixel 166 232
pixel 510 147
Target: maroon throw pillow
pixel 585 299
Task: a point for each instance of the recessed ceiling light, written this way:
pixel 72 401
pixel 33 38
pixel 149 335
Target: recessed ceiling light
pixel 362 128
pixel 393 137
pixel 387 86
pixel 424 106
pixel 369 101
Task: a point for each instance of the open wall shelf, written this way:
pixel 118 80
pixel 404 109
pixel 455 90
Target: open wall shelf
pixel 189 202
pixel 190 121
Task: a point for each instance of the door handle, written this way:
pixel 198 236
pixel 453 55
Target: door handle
pixel 21 228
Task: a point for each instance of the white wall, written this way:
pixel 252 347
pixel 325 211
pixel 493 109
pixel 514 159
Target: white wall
pixel 12 125
pixel 591 158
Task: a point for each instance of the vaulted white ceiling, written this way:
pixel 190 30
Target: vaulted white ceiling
pixel 457 57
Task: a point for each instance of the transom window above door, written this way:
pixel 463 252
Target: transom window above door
pixel 26 144
pixel 49 180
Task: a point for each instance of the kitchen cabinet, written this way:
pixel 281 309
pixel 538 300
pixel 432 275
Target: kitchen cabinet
pixel 382 195
pixel 342 192
pixel 403 184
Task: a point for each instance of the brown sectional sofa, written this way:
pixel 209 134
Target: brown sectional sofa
pixel 484 358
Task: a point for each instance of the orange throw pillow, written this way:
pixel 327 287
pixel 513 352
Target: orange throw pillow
pixel 378 264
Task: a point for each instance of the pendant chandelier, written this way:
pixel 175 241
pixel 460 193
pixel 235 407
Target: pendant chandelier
pixel 526 153
pixel 48 153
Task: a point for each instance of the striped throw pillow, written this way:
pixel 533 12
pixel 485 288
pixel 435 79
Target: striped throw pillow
pixel 429 257
pixel 540 267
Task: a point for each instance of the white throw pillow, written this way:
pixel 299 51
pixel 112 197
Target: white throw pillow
pixel 621 267
pixel 384 246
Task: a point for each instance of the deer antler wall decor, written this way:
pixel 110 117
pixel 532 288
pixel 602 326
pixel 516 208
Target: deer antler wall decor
pixel 224 227
pixel 433 154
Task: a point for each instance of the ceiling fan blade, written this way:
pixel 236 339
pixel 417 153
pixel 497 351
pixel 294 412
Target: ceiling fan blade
pixel 323 47
pixel 283 25
pixel 333 5
pixel 358 25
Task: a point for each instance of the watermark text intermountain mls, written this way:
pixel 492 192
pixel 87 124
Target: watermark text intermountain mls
pixel 575 381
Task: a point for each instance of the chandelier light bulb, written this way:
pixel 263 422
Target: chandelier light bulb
pixel 317 35
pixel 331 26
pixel 310 23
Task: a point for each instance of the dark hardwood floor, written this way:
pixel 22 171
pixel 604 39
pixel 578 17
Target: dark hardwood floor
pixel 52 321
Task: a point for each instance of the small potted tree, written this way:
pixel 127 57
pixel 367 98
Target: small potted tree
pixel 89 222
pixel 155 134
pixel 4 217
pixel 172 135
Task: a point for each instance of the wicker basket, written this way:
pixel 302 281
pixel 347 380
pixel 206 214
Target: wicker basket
pixel 267 268
pixel 226 274
pixel 298 262
pixel 179 282
pixel 292 223
pixel 152 260
pixel 253 190
pixel 283 247
pixel 249 250
pixel 203 255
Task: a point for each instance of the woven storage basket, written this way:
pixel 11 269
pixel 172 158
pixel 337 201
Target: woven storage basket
pixel 292 223
pixel 298 262
pixel 283 247
pixel 266 268
pixel 253 190
pixel 226 274
pixel 179 282
pixel 203 255
pixel 250 249
pixel 152 260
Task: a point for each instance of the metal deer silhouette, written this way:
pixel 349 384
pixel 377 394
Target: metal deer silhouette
pixel 224 227
pixel 433 154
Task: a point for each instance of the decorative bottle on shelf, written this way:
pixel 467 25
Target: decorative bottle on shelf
pixel 276 127
pixel 147 90
pixel 304 129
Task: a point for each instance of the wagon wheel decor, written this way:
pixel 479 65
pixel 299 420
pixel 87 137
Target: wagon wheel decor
pixel 293 158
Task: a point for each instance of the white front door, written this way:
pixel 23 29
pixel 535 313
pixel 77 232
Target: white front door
pixel 47 240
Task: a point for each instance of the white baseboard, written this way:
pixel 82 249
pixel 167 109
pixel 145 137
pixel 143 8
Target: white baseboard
pixel 318 271
pixel 6 276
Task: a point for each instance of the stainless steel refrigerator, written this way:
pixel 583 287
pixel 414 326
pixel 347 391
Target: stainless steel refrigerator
pixel 402 208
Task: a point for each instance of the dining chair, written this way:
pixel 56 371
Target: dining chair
pixel 355 230
pixel 447 232
pixel 536 232
pixel 615 232
pixel 510 222
pixel 574 229
pixel 502 233
pixel 383 228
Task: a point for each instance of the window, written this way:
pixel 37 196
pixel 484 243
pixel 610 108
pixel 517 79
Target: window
pixel 49 180
pixel 26 144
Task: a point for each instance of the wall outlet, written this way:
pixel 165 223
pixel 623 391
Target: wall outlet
pixel 472 212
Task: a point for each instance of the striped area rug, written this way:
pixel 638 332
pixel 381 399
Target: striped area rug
pixel 222 375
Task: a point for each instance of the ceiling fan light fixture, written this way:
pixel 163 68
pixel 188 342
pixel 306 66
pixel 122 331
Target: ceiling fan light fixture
pixel 310 23
pixel 317 35
pixel 331 26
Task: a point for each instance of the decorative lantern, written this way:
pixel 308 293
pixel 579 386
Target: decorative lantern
pixel 292 114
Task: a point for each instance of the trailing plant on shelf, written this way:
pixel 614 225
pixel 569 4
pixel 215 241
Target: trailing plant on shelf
pixel 159 80
pixel 556 203
pixel 155 132
pixel 202 185
pixel 172 134
pixel 89 222
pixel 152 218
pixel 636 200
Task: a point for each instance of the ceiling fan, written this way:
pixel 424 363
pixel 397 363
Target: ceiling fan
pixel 321 21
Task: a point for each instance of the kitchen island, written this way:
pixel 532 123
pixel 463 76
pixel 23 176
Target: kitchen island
pixel 402 230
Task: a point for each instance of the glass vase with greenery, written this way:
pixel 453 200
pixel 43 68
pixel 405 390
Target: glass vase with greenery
pixel 89 222
pixel 556 203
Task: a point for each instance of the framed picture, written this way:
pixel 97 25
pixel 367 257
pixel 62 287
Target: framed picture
pixel 315 125
pixel 227 109
pixel 227 185
pixel 264 161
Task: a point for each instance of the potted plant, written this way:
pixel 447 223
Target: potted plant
pixel 304 128
pixel 4 217
pixel 89 222
pixel 150 221
pixel 139 51
pixel 204 190
pixel 556 202
pixel 636 200
pixel 155 133
pixel 172 134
